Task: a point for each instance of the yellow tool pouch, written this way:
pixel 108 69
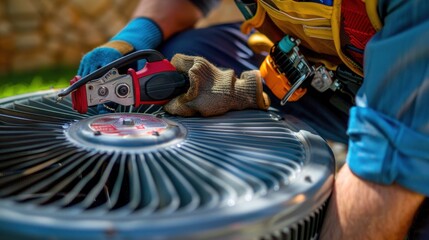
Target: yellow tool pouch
pixel 315 24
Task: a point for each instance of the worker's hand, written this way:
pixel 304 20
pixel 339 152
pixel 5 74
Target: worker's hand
pixel 100 57
pixel 214 91
pixel 140 33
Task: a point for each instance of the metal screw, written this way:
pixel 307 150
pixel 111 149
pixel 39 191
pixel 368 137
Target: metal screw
pixel 155 133
pixel 308 179
pixel 122 90
pixel 128 122
pixel 103 91
pixel 275 117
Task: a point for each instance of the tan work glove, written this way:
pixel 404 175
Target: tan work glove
pixel 214 91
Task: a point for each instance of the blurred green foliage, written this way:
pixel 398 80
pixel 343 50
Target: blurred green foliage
pixel 44 79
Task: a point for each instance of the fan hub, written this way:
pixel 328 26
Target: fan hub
pixel 125 131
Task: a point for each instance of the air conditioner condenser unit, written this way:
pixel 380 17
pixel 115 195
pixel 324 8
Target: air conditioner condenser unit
pixel 139 173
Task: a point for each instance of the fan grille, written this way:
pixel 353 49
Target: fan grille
pixel 209 166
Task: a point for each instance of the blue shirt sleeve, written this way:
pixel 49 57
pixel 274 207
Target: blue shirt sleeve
pixel 389 127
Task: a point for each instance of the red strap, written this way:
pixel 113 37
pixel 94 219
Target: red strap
pixel 357 29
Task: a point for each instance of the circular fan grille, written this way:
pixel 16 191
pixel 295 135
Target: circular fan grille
pixel 183 176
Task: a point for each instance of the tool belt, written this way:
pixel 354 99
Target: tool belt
pixel 289 75
pixel 326 29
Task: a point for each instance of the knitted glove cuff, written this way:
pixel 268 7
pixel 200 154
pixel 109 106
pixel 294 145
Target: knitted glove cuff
pixel 246 89
pixel 141 33
pixel 212 80
pixel 254 76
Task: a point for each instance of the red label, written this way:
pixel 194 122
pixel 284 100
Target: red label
pixel 129 125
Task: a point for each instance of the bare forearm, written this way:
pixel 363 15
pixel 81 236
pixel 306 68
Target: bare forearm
pixel 364 210
pixel 171 16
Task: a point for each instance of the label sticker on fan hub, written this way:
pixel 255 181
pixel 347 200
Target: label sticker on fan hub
pixel 125 131
pixel 129 125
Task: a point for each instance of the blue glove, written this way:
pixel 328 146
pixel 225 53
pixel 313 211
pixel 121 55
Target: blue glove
pixel 138 34
pixel 96 59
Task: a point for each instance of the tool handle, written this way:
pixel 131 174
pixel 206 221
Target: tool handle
pixel 157 83
pixel 161 88
pixel 148 55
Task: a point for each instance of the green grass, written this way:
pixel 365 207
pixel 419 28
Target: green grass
pixel 44 79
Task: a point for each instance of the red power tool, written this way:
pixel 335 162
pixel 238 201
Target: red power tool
pixel 156 83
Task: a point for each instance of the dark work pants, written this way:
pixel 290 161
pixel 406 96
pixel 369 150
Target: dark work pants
pixel 226 47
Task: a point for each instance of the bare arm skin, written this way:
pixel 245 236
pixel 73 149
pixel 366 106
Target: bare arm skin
pixel 171 16
pixel 363 210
